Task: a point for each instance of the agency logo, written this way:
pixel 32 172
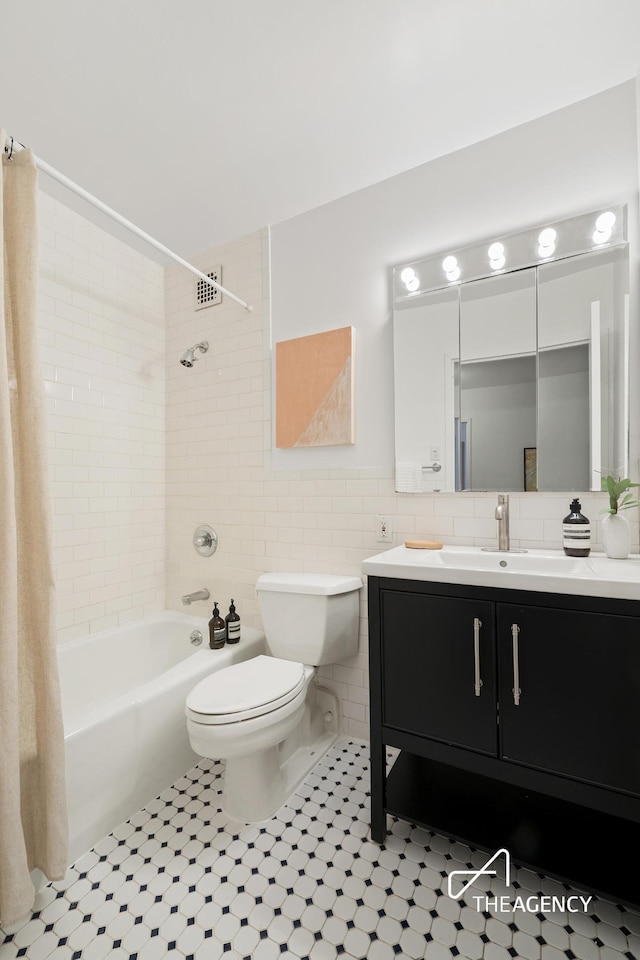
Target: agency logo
pixel 484 871
pixel 534 903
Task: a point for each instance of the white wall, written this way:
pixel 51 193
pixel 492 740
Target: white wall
pixel 314 509
pixel 217 417
pixel 101 332
pixel 331 266
pixel 102 335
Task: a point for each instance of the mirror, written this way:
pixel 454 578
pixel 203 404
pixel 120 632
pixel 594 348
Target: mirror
pixel 515 382
pixel 497 380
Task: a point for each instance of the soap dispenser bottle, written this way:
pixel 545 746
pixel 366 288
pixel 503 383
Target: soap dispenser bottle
pixel 576 532
pixel 232 621
pixel 217 629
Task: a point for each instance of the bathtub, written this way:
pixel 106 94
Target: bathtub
pixel 123 697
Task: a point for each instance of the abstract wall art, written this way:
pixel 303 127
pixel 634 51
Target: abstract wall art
pixel 314 390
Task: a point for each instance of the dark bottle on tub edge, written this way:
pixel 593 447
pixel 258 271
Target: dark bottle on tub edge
pixel 217 629
pixel 576 531
pixel 232 621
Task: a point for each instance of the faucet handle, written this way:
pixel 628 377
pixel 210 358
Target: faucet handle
pixel 503 498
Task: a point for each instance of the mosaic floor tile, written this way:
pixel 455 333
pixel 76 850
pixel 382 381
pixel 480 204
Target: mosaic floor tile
pixel 177 881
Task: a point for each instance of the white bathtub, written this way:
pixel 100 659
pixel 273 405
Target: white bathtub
pixel 123 697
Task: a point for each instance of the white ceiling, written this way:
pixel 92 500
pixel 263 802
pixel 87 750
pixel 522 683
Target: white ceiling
pixel 202 120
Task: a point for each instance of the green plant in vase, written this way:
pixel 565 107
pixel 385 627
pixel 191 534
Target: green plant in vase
pixel 619 496
pixel 616 533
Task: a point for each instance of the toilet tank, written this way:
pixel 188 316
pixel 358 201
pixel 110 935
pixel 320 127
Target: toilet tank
pixel 310 617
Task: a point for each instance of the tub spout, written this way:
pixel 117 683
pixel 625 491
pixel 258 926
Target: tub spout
pixel 198 595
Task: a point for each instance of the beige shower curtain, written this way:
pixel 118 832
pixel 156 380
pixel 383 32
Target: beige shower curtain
pixel 33 818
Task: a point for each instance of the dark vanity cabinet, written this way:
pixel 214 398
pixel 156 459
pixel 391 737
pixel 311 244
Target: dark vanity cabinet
pixel 518 719
pixel 578 713
pixel 429 686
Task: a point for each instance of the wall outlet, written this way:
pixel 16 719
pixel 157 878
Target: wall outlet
pixel 383 529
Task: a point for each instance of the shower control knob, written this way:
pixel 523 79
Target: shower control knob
pixel 205 540
pixel 196 638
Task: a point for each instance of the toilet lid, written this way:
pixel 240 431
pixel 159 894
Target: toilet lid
pixel 244 690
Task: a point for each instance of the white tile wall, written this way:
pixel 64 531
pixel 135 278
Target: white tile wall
pixel 102 330
pixel 218 449
pixel 102 347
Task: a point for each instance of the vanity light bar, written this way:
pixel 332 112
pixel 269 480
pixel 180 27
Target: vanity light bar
pixel 564 238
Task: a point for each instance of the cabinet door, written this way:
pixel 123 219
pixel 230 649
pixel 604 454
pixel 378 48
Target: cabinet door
pixel 579 703
pixel 438 663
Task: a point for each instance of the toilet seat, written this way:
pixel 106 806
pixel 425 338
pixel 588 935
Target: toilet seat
pixel 244 690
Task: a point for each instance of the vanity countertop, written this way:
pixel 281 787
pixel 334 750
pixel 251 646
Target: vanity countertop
pixel 547 571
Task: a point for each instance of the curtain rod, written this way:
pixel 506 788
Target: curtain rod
pixel 12 145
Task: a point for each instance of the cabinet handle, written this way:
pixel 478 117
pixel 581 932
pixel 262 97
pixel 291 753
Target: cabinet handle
pixel 476 654
pixel 515 630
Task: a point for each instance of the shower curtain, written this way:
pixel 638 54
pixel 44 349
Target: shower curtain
pixel 33 818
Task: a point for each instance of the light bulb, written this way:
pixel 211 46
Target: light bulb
pixel 605 222
pixel 449 264
pixel 410 279
pixel 604 228
pixel 547 237
pixel 496 256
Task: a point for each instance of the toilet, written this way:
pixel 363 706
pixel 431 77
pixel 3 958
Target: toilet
pixel 268 717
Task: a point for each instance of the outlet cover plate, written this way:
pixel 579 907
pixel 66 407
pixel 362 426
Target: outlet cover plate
pixel 384 532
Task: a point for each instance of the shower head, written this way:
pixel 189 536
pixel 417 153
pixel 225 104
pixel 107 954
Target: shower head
pixel 188 358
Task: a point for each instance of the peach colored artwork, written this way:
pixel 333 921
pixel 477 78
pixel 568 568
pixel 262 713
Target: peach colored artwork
pixel 314 389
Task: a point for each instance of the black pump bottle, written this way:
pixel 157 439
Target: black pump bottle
pixel 576 532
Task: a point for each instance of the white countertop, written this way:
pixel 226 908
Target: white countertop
pixel 547 571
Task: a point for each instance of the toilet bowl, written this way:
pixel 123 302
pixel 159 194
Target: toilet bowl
pixel 268 717
pixel 255 713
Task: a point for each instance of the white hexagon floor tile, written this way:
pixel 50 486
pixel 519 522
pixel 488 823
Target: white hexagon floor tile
pixel 177 881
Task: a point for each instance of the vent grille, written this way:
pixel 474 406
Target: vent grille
pixel 206 295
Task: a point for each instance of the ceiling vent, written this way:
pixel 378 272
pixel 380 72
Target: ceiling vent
pixel 205 294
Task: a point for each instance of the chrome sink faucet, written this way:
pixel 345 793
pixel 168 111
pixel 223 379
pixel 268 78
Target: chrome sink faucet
pixel 198 595
pixel 502 516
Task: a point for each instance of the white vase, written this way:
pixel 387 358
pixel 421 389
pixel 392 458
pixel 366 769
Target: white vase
pixel 616 536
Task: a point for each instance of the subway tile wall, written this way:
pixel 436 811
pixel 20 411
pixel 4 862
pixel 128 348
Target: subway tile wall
pixel 102 347
pixel 218 472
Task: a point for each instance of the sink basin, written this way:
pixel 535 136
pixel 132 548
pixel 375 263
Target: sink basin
pixel 539 561
pixel 549 571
